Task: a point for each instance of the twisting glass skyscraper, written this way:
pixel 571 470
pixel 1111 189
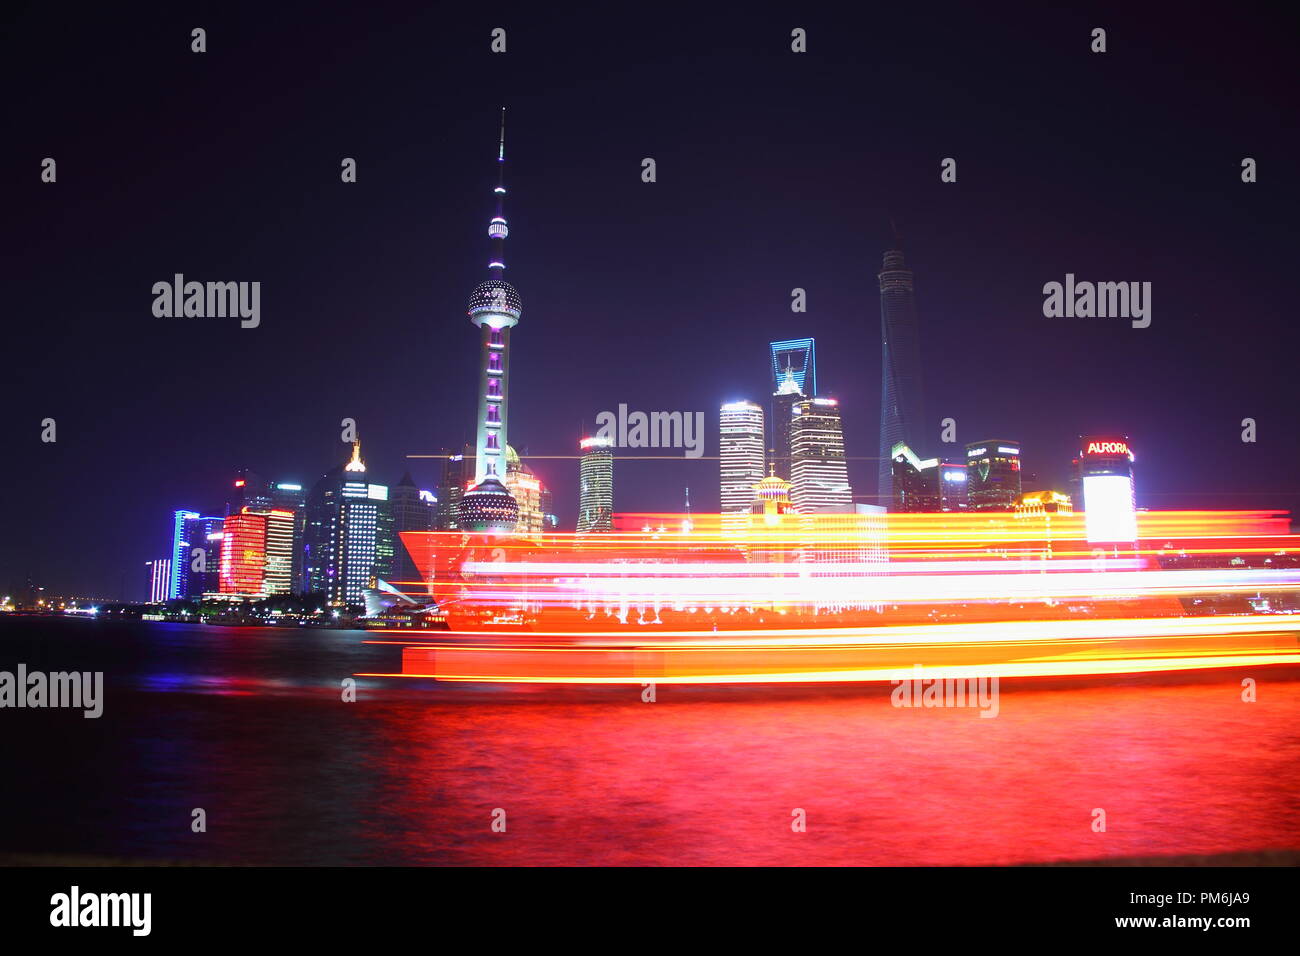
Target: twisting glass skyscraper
pixel 494 307
pixel 901 401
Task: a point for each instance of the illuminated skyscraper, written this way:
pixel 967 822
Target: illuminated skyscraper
pixel 180 552
pixel 346 542
pixel 199 555
pixel 797 357
pixel 741 451
pixel 250 491
pixel 819 475
pixel 278 575
pixel 160 573
pixel 243 554
pixel 494 307
pixel 993 475
pixel 928 485
pixel 596 485
pixel 1104 475
pixel 901 400
pixel 289 496
pixel 527 490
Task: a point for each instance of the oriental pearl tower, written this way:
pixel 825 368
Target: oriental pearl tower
pixel 494 307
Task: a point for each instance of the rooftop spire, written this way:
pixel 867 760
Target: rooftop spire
pixel 501 151
pixel 898 235
pixel 497 228
pixel 356 464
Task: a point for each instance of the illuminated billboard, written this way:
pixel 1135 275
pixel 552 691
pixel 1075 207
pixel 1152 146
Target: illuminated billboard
pixel 1107 448
pixel 1109 515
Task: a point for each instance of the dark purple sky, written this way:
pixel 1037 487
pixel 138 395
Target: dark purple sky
pixel 775 170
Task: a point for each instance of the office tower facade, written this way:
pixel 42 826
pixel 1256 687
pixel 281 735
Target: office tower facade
pixel 199 556
pixel 251 492
pixel 901 397
pixel 993 475
pixel 819 476
pixel 243 554
pixel 159 575
pixel 787 395
pixel 1104 475
pixel 386 543
pixel 277 577
pixel 494 308
pixel 741 450
pixel 412 510
pixel 290 496
pixel 180 552
pixel 927 485
pixel 526 488
pixel 596 485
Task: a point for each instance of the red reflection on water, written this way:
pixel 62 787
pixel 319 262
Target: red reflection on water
pixel 1183 769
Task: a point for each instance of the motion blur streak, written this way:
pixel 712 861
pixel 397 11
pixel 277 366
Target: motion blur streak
pixel 858 597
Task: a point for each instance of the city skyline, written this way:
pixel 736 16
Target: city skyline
pixel 394 252
pixel 450 436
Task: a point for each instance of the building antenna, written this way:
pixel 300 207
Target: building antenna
pixel 898 235
pixel 498 229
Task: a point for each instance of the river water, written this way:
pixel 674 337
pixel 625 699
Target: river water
pixel 248 725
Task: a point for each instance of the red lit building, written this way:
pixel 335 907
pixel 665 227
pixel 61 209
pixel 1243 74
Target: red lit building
pixel 243 554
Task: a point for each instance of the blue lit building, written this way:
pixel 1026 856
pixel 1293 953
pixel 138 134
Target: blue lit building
pixel 800 357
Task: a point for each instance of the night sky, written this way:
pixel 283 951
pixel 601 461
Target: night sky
pixel 775 171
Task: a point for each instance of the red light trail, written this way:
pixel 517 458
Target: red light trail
pixel 857 597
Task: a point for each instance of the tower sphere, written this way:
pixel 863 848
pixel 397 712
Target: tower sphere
pixel 495 298
pixel 489 508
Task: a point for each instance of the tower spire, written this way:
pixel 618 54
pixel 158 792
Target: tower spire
pixel 495 308
pixel 497 228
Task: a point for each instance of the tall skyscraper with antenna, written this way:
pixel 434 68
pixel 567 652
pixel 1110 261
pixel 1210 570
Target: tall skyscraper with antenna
pixel 901 401
pixel 494 308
